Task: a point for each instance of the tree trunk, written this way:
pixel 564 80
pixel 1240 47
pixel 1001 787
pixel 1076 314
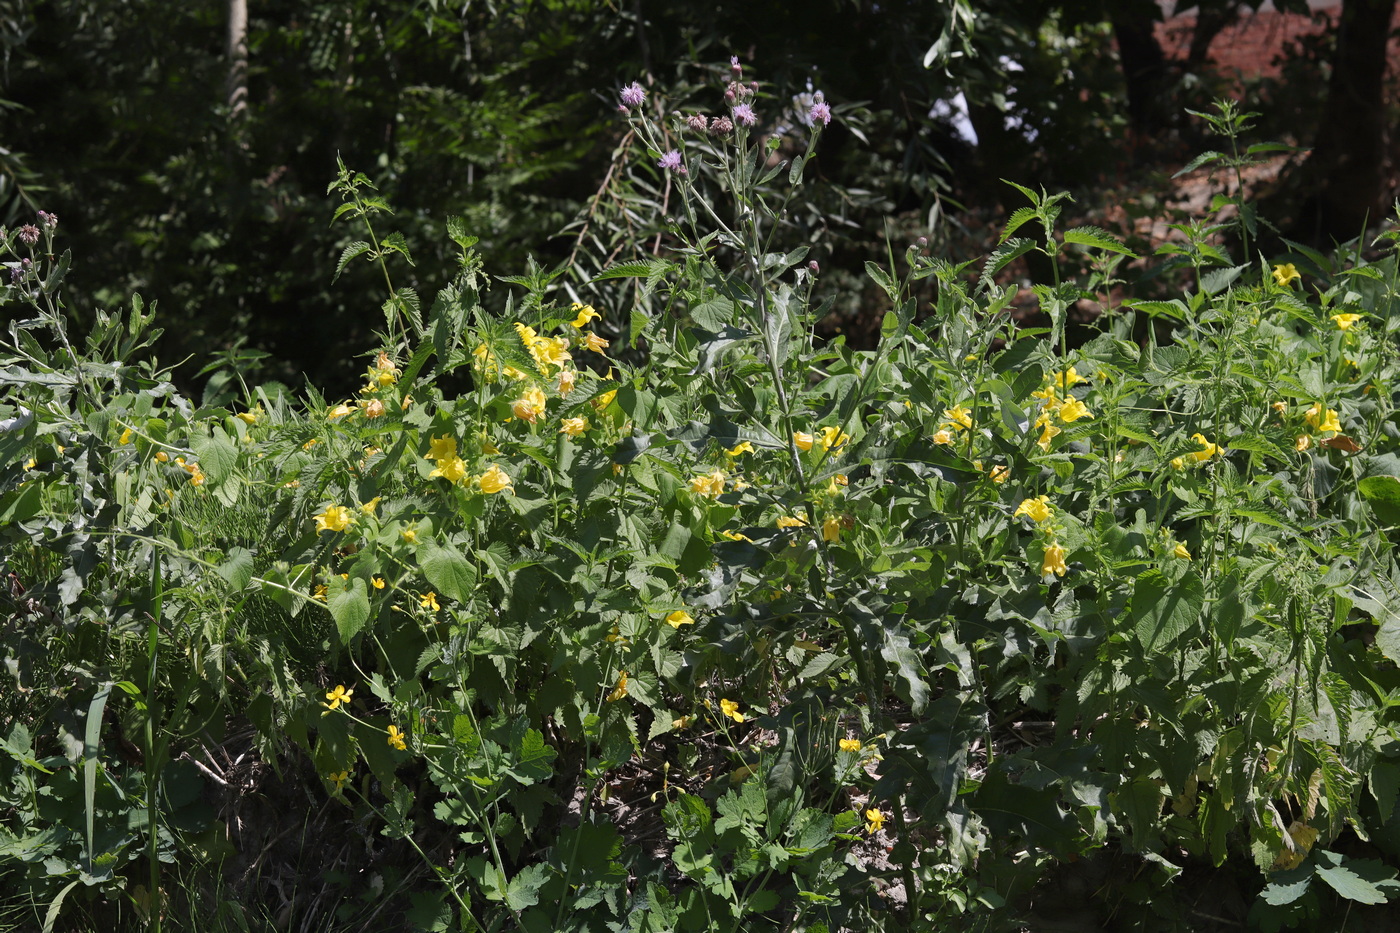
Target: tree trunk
pixel 1145 73
pixel 1343 180
pixel 237 69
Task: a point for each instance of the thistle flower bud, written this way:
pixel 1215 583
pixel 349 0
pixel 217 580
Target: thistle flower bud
pixel 720 126
pixel 697 122
pixel 735 68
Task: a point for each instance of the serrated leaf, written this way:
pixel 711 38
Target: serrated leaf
pixel 1100 239
pixel 359 247
pixel 1217 280
pixel 1359 880
pixel 999 258
pixel 1162 610
pixel 350 609
pixel 882 278
pixel 216 455
pixel 448 571
pixel 237 568
pixel 1202 159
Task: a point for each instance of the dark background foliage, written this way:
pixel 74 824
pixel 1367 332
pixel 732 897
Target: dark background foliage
pixel 118 118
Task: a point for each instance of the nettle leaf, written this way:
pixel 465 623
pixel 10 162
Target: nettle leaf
pixel 1365 881
pixel 357 248
pixel 1285 887
pixel 237 568
pixel 1161 610
pixel 1100 239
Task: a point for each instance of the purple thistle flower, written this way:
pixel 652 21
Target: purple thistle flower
pixel 671 161
pixel 633 95
pixel 744 114
pixel 720 126
pixel 821 110
pixel 697 122
pixel 29 234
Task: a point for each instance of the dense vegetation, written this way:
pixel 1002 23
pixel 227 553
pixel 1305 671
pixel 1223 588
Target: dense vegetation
pixel 627 594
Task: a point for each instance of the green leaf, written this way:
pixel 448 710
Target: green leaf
pixel 358 248
pixel 217 455
pixel 1382 494
pixel 1162 611
pixel 882 279
pixel 349 607
pixel 237 568
pixel 1360 880
pixel 448 571
pixel 1100 239
pixel 1202 159
pixel 795 173
pixel 1001 256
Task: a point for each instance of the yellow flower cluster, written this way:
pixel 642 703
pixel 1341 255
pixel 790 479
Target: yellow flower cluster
pixel 828 439
pixel 451 467
pixel 711 486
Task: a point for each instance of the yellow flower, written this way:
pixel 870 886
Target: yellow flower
pixel 1000 474
pixel 682 723
pixel 573 426
pixel 620 690
pixel 802 439
pixel 340 411
pixel 248 417
pixel 377 582
pixel 338 696
pixel 1054 561
pixel 1344 321
pixel 833 439
pixel 1048 399
pixel 319 592
pixel 567 380
pixel 162 456
pixel 126 437
pixel 593 342
pixel 311 443
pixel 959 416
pixel 441 448
pixel 369 507
pixel 493 480
pixel 453 469
pixel 1303 442
pixel 31 463
pixel 338 778
pixel 831 530
pixel 743 447
pixel 374 408
pixel 1048 431
pixel 734 536
pixel 1068 379
pixel 409 535
pixel 334 518
pixel 1285 274
pixel 196 475
pixel 396 738
pixel 527 334
pixel 604 400
pixel 943 436
pixel 874 821
pixel 529 406
pixel 731 709
pixel 791 521
pixel 585 314
pixel 1207 450
pixel 678 618
pixel 429 601
pixel 549 352
pixel 1037 509
pixel 1322 420
pixel 1181 552
pixel 1073 409
pixel 1178 463
pixel 710 485
pixel 849 745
